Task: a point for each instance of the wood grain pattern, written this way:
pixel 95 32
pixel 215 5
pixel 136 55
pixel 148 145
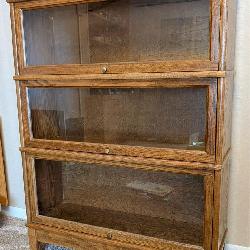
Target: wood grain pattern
pixel 227 36
pixel 28 202
pixel 83 242
pixel 3 186
pixel 158 67
pixel 134 162
pixel 224 117
pixel 112 150
pixel 32 239
pixel 211 118
pixel 129 76
pixel 150 81
pixel 208 217
pixel 25 124
pixel 14 39
pixel 31 189
pixel 18 39
pixel 221 204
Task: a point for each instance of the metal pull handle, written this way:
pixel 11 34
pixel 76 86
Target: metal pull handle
pixel 109 236
pixel 104 70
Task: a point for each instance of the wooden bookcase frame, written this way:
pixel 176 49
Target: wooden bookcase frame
pixel 46 235
pixel 117 236
pixel 115 68
pixel 71 234
pixel 175 154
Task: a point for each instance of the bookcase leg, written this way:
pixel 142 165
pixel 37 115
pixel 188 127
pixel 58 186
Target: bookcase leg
pixel 33 240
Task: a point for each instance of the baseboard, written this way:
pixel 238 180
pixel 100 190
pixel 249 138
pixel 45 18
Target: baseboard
pixel 235 247
pixel 14 212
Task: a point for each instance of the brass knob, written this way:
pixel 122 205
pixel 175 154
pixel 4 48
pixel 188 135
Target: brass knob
pixel 109 236
pixel 104 70
pixel 107 150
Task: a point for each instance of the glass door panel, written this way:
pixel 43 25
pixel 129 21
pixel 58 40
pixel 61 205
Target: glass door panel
pixel 118 31
pixel 158 204
pixel 148 117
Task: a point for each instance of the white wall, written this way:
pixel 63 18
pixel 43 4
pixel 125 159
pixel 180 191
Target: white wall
pixel 239 208
pixel 8 112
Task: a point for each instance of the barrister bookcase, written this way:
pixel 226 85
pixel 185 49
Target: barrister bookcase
pixel 125 121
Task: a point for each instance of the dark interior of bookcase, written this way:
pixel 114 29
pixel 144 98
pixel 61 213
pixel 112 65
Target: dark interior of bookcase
pixel 149 117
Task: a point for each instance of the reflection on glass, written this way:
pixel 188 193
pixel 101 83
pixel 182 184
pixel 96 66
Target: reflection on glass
pixel 118 31
pixel 45 246
pixel 161 117
pixel 152 203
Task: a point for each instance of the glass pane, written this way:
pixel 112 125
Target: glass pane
pixel 152 203
pixel 118 31
pixel 46 246
pixel 161 117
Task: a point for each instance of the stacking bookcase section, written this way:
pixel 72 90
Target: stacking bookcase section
pixel 121 199
pixel 87 36
pixel 171 119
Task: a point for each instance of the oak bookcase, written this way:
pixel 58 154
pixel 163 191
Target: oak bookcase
pixel 125 121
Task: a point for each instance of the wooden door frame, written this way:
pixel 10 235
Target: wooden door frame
pixel 211 64
pixel 175 154
pixel 200 169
